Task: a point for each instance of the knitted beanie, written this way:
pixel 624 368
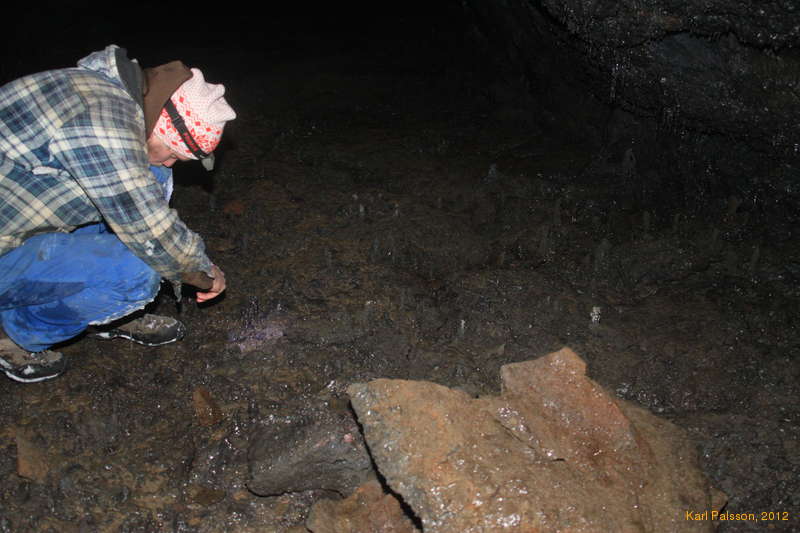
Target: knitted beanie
pixel 203 109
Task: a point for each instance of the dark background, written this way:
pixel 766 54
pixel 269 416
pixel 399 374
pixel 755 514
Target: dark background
pixel 711 89
pixel 244 35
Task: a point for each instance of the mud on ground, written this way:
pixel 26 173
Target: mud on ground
pixel 375 224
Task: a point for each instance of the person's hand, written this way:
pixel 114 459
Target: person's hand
pixel 216 288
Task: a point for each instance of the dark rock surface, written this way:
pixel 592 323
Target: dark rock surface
pixel 714 81
pixel 322 450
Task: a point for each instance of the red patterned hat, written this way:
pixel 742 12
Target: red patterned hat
pixel 204 112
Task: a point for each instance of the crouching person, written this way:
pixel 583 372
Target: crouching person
pixel 86 231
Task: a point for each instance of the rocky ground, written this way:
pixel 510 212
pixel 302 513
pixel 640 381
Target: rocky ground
pixel 383 218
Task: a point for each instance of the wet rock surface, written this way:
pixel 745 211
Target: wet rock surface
pixel 325 452
pixel 381 213
pixel 369 508
pixel 554 452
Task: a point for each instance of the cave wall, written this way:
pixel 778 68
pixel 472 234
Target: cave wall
pixel 709 90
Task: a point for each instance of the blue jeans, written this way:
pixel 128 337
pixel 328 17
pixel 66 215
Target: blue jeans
pixel 56 284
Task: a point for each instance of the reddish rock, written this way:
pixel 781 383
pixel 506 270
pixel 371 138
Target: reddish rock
pixel 234 207
pixel 367 510
pixel 206 408
pixel 554 452
pixel 31 459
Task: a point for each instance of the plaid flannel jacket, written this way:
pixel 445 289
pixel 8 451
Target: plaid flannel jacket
pixel 73 152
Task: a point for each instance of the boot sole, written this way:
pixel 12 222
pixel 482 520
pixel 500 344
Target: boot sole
pixel 11 374
pixel 108 335
pixel 19 379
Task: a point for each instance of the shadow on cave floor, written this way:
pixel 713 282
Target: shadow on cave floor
pixel 374 223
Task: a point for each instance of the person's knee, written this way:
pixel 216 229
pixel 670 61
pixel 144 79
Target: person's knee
pixel 138 282
pixel 119 270
pixel 118 297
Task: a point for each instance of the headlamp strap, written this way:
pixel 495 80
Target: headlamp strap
pixel 183 131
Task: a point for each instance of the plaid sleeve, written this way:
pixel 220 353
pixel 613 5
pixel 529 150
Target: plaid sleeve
pixel 103 149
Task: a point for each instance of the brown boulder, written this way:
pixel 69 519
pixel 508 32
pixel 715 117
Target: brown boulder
pixel 554 452
pixel 367 510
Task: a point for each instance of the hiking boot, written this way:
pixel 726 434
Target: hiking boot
pixel 148 330
pixel 27 367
